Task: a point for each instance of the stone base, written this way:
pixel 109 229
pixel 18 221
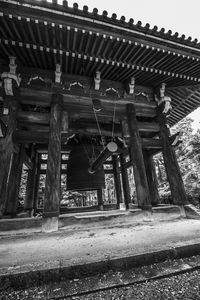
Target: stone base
pixel 101 207
pixel 147 216
pixel 182 211
pixel 192 212
pixel 50 224
pixel 122 206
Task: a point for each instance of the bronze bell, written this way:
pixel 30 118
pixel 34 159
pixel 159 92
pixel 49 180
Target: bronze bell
pixel 78 177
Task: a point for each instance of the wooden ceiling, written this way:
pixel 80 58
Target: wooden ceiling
pixel 41 34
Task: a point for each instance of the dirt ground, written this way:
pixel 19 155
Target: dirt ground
pixel 67 248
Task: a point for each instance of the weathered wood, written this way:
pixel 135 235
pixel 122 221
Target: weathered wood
pixel 151 178
pixel 117 181
pixel 52 188
pixel 100 199
pixel 27 161
pixel 151 143
pixel 33 117
pixel 171 165
pixel 30 186
pixel 142 188
pixel 14 182
pixel 25 136
pixel 36 183
pixel 125 182
pixel 6 151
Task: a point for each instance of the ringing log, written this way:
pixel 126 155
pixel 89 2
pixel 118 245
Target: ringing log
pixel 109 150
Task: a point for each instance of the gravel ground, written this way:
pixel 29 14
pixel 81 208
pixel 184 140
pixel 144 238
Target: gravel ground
pixel 185 287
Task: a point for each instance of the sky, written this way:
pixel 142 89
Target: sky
pixel 182 16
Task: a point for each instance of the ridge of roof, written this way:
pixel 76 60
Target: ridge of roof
pixel 113 20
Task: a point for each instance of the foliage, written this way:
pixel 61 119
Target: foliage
pixel 188 156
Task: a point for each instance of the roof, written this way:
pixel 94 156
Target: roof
pixel 41 34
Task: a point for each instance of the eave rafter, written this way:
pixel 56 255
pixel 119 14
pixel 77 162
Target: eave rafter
pixel 126 53
pixel 188 97
pixel 57 52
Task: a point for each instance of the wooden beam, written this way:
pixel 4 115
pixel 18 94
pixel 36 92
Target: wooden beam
pixel 151 143
pixel 33 117
pixel 6 151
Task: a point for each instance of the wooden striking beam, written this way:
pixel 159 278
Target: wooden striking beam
pixel 110 149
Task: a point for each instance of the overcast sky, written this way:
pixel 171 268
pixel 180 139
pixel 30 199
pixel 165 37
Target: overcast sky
pixel 182 16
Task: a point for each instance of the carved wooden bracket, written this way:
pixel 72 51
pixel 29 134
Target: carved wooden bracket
pixel 75 84
pixel 163 99
pixel 132 86
pixel 35 78
pixel 58 74
pixel 97 81
pixel 112 92
pixel 10 77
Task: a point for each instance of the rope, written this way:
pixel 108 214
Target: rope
pixel 99 128
pixel 113 124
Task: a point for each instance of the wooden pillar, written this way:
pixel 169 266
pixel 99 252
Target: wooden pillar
pixel 171 165
pixel 36 183
pixel 125 183
pixel 100 199
pixel 142 189
pixel 14 182
pixel 52 188
pixel 151 178
pixel 6 151
pixel 116 173
pixel 30 188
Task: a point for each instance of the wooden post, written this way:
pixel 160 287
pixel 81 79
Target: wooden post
pixel 6 152
pixel 151 178
pixel 125 183
pixel 52 189
pixel 117 180
pixel 171 165
pixel 14 182
pixel 31 180
pixel 36 183
pixel 100 199
pixel 141 183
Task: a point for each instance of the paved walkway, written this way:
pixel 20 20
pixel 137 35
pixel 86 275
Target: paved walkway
pixel 67 248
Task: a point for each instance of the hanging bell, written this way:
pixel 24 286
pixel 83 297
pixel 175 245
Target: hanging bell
pixel 78 177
